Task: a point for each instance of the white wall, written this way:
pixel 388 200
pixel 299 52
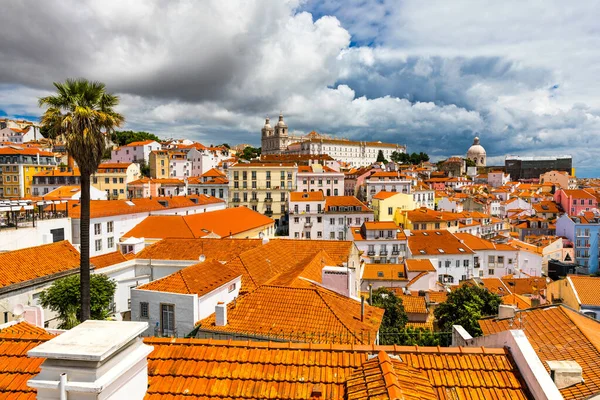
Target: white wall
pixel 186 309
pixel 15 239
pixel 208 302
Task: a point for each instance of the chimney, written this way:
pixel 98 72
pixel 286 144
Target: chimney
pixel 94 360
pixel 565 373
pixel 221 314
pixel 506 311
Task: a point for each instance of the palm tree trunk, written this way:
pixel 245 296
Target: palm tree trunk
pixel 84 234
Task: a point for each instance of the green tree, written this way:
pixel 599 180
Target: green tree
pixel 121 138
pixel 80 112
pixel 469 162
pixel 394 318
pixel 399 157
pixel 381 157
pixel 63 297
pixel 465 306
pixel 226 145
pixel 250 153
pixel 144 168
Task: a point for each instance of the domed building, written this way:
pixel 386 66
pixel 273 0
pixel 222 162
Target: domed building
pixel 476 153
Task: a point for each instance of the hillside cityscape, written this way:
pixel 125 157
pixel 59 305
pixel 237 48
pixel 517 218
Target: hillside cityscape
pixel 420 221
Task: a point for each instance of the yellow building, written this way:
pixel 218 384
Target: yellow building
pixel 159 164
pixel 114 177
pixel 385 204
pixel 262 187
pixel 18 165
pixel 427 219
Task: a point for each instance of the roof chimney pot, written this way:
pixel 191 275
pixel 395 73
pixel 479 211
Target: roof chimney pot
pixel 221 314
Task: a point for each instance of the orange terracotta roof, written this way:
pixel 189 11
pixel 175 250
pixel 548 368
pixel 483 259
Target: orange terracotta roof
pixel 244 370
pixel 419 265
pixel 424 214
pixel 26 151
pixel 23 328
pixel 437 297
pixel 106 208
pixel 521 286
pixel 200 279
pixel 283 311
pixel 382 195
pixel 307 196
pixel 558 333
pixel 141 143
pixel 521 302
pixel 106 260
pixel 226 222
pixel 587 288
pixel 386 272
pixel 380 225
pixel 578 193
pixel 258 164
pixel 192 249
pixel 59 172
pixel 413 304
pixel 116 165
pixel 423 243
pixel 213 173
pixel 63 192
pixel 23 265
pixel 289 258
pixel 383 377
pixel 344 201
pixel 15 367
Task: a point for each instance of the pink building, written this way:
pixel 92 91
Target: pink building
pixel 316 177
pixel 575 202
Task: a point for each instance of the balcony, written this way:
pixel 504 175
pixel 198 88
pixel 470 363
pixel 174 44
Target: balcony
pixel 269 200
pixel 383 253
pixel 308 224
pixel 253 201
pixel 371 252
pixel 395 252
pixel 269 213
pixel 235 200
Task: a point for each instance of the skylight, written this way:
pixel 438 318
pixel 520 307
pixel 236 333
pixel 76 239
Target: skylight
pixel 441 251
pixel 422 251
pixel 461 249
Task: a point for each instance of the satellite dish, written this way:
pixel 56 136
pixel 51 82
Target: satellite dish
pixel 202 258
pixel 18 310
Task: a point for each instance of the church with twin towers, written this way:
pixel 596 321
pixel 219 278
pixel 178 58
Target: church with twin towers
pixel 276 139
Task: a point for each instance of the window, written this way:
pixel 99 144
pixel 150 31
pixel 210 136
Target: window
pixel 231 287
pixel 331 221
pixel 457 263
pixel 114 180
pixel 319 219
pixel 308 234
pixel 110 242
pixel 95 180
pixel 121 180
pixel 167 319
pixel 319 234
pixel 144 310
pixel 465 263
pixel 296 220
pixel 510 260
pixel 282 196
pixel 491 259
pixel 97 229
pixel 341 221
pixel 390 210
pixel 115 192
pixel 380 274
pixel 308 208
pixel 331 235
pixel 500 259
pixel 491 271
pixel 98 244
pixel 106 180
pixel 296 235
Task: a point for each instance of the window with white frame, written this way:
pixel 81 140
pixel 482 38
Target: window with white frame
pixel 110 226
pixel 98 244
pixel 144 310
pixel 97 229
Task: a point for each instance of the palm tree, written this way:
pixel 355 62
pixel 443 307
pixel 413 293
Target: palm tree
pixel 79 112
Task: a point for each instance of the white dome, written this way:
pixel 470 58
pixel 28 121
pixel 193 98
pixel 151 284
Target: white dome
pixel 476 150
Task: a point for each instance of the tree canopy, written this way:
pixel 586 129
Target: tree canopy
pixel 414 158
pixel 250 152
pixel 381 157
pixel 121 138
pixel 63 297
pixel 470 163
pixel 465 306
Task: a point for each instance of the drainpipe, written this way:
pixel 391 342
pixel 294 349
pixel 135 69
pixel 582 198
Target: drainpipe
pixel 62 386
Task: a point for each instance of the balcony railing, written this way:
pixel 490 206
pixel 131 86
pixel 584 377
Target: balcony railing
pixel 269 213
pixel 383 253
pixel 235 200
pixel 253 200
pixel 371 252
pixel 308 224
pixel 395 252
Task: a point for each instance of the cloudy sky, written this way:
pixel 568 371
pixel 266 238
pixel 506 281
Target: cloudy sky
pixel 521 75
